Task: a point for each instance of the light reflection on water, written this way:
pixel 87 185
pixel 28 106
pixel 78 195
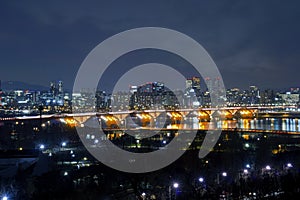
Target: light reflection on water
pixel 276 124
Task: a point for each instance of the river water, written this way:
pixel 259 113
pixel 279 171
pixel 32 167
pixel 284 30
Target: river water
pixel 269 124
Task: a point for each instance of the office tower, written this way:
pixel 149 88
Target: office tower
pixel 133 89
pixel 193 82
pixel 60 87
pixel 52 88
pixel 196 82
pixel 188 83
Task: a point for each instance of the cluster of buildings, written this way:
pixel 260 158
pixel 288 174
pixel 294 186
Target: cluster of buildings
pixel 156 95
pixel 151 95
pixel 28 102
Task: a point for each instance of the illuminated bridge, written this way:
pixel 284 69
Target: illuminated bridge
pixel 183 119
pixel 203 114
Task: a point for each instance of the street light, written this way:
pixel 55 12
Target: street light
pixel 289 165
pixel 175 185
pixel 5 198
pixel 248 166
pixel 268 167
pixel 42 146
pixel 201 180
pixel 224 174
pixel 63 144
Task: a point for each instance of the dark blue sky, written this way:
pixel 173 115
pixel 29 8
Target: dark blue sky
pixel 252 42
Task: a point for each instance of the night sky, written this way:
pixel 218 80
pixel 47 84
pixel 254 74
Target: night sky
pixel 252 42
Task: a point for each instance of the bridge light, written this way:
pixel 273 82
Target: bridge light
pixel 103 118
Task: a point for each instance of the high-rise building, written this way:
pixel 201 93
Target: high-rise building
pixel 133 89
pixel 52 88
pixel 193 82
pixel 188 83
pixel 60 87
pixel 155 87
pixel 193 95
pixel 101 101
pixel 196 82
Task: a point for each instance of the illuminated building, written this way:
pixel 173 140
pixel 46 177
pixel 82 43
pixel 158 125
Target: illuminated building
pixel 193 94
pixel 193 82
pixel 102 102
pixel 60 87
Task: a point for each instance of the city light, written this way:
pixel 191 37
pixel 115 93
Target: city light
pixel 224 174
pixel 143 194
pixel 268 167
pixel 42 146
pixel 201 180
pixel 246 171
pixel 66 174
pixel 248 166
pixel 175 185
pixel 64 144
pixel 5 198
pixel 289 165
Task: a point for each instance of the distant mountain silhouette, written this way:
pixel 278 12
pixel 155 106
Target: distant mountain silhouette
pixel 18 85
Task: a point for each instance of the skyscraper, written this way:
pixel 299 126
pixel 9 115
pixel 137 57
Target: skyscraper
pixel 60 87
pixel 193 82
pixel 53 88
pixel 196 82
pixel 188 83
